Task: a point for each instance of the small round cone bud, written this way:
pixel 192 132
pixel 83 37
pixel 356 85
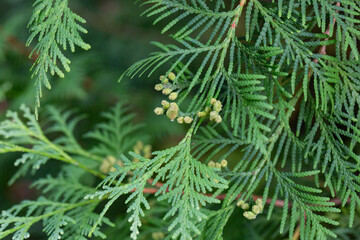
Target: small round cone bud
pixel 111 159
pixel 159 87
pixel 172 76
pixel 245 206
pixel 174 105
pixel 164 80
pixel 173 96
pixel 207 110
pixel 259 202
pixel 211 164
pixel 249 215
pixel 256 209
pixel 188 119
pixel 165 104
pixel 218 119
pixel 166 91
pixel 139 145
pixel 180 120
pixel 137 151
pixel 173 111
pixel 158 235
pixel 217 106
pixel 224 163
pixel 107 164
pixel 201 114
pixel 159 111
pixel 240 203
pixel 218 165
pixel 147 148
pixel 213 101
pixel 147 151
pixel 213 115
pixel 120 163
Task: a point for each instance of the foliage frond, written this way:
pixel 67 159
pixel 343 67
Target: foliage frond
pixel 117 134
pixel 188 179
pixel 56 28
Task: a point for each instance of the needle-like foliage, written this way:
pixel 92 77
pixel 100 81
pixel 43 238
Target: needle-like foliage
pixel 56 28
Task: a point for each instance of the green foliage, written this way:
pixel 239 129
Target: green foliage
pixel 289 126
pixel 56 27
pixel 114 135
pixel 188 179
pixel 64 212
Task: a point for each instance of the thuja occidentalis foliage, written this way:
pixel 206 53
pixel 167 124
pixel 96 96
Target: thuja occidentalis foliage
pixel 253 77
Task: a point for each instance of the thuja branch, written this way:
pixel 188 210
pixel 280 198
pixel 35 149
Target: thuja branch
pixel 63 157
pixel 231 34
pixel 278 203
pixel 28 221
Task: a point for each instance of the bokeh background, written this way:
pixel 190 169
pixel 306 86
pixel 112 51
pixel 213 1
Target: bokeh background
pixel 118 36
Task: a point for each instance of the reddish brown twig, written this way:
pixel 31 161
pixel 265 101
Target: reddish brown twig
pixel 158 184
pixel 322 50
pixel 150 190
pixel 296 233
pixel 278 203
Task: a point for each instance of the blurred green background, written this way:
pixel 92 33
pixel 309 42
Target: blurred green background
pixel 118 36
